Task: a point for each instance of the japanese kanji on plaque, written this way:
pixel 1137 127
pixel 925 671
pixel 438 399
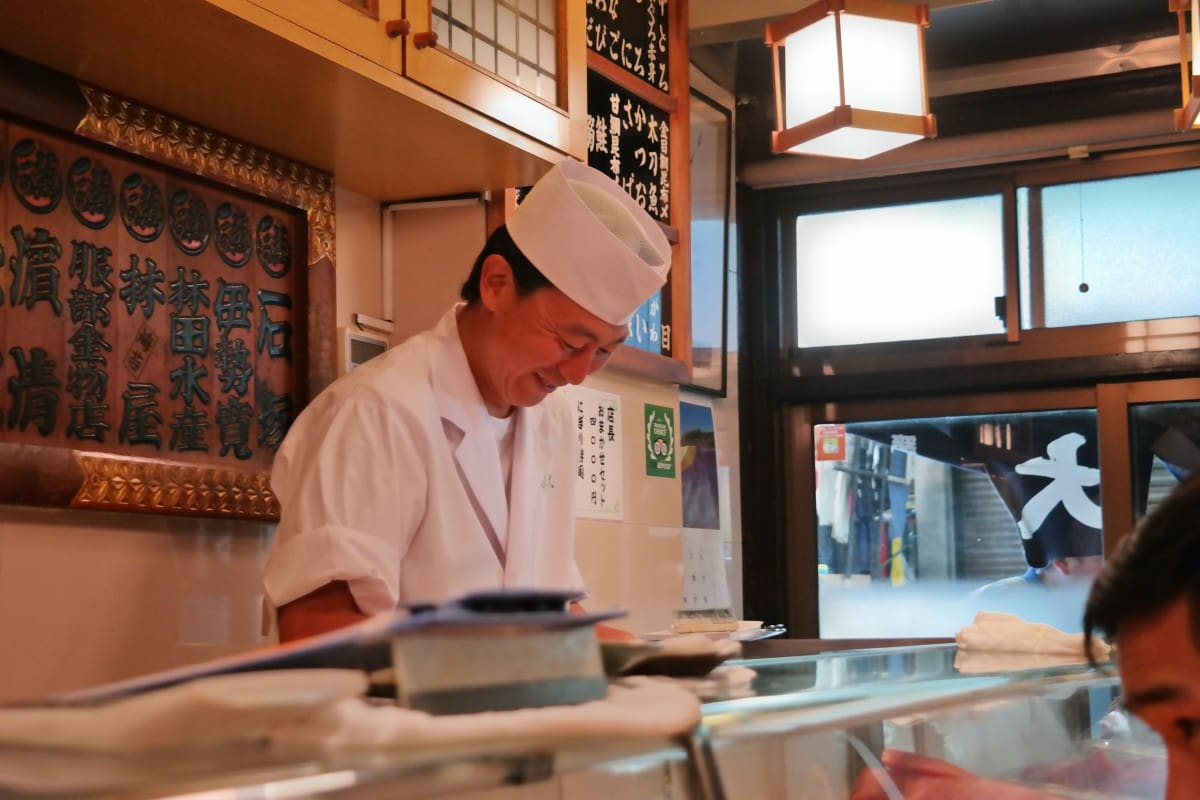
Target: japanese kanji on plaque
pixel 145 314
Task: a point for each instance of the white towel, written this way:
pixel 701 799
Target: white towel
pixel 635 707
pixel 223 708
pixel 993 631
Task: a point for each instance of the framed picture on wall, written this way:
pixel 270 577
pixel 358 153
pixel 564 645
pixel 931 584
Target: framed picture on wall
pixel 711 179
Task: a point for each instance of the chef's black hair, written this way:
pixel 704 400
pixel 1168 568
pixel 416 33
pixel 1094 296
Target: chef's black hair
pixel 525 275
pixel 1156 565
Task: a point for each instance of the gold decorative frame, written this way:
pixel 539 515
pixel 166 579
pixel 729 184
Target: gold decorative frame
pixel 33 475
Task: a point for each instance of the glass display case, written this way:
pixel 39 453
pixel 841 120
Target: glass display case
pixel 931 722
pixel 923 721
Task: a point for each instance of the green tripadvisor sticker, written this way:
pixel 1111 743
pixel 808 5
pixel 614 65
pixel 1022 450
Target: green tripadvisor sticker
pixel 660 441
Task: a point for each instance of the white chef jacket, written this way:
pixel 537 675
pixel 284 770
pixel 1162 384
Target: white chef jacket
pixel 391 481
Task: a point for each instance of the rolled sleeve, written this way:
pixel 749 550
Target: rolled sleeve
pixel 309 560
pixel 351 480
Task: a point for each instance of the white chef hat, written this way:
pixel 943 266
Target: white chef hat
pixel 591 240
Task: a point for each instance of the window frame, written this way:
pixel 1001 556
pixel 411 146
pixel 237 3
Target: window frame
pixel 1015 344
pixel 785 388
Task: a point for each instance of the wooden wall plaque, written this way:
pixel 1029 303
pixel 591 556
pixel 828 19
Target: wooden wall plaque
pixel 166 306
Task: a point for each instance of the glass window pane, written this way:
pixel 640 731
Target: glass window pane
pixel 460 11
pixel 527 40
pixel 485 18
pixel 442 28
pixel 547 88
pixel 527 77
pixel 1114 250
pixel 918 271
pixel 923 522
pixel 485 55
pixel 506 66
pixel 546 15
pixel 1164 443
pixel 547 54
pixel 461 42
pixel 506 28
pixel 709 192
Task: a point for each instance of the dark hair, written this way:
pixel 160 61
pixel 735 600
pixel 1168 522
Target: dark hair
pixel 525 275
pixel 1153 567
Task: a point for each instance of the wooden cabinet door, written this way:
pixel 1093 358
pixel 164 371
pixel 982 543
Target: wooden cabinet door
pixel 356 26
pixel 520 62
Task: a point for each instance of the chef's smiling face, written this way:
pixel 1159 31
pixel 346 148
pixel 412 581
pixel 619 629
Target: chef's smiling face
pixel 538 341
pixel 1160 674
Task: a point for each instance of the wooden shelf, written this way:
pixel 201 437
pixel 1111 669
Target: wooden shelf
pixel 648 365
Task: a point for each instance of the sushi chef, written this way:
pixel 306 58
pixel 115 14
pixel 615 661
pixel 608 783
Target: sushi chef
pixel 446 465
pixel 1147 600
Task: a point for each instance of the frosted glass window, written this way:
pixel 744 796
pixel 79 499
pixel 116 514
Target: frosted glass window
pixel 527 41
pixel 461 42
pixel 506 28
pixel 515 39
pixel 460 11
pixel 527 77
pixel 485 17
pixel 1114 250
pixel 919 271
pixel 546 54
pixel 506 67
pixel 441 26
pixel 485 55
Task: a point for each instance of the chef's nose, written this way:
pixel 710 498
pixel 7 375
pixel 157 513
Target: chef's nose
pixel 577 366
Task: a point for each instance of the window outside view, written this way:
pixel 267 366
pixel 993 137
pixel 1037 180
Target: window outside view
pixel 1164 442
pixel 924 522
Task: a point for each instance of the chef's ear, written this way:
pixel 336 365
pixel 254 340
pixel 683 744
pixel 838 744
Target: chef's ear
pixel 496 285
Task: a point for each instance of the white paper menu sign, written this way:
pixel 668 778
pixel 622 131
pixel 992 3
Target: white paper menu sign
pixel 599 472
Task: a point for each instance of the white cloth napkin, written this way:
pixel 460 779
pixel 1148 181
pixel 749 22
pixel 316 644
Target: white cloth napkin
pixel 223 708
pixel 993 631
pixel 637 706
pixel 723 683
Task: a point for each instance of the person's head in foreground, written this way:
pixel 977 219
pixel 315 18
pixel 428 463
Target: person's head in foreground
pixel 1147 599
pixel 551 294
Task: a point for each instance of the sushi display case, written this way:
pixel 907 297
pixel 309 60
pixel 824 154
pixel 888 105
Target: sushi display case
pixel 891 723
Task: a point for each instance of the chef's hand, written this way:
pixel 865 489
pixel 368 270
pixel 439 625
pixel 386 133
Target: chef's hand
pixel 606 633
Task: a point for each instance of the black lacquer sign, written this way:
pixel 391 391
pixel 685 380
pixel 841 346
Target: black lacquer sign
pixel 633 34
pixel 629 139
pixel 148 314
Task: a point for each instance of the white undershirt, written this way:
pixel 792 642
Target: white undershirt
pixel 504 430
